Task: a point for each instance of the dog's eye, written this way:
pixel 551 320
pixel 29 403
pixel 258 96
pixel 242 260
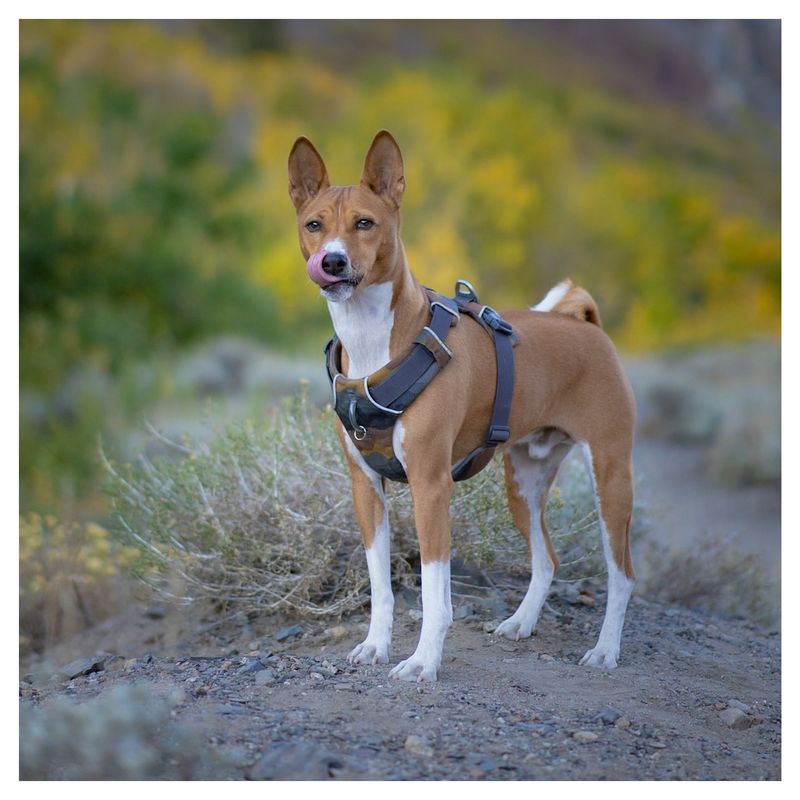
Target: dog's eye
pixel 364 224
pixel 313 226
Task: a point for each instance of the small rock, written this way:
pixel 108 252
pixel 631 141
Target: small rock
pixel 491 625
pixel 464 611
pixel 720 706
pixel 336 633
pixel 585 736
pixel 227 664
pixel 542 728
pixel 736 718
pixel 622 722
pixel 81 666
pixel 289 632
pixel 296 761
pixel 738 704
pixel 415 614
pixel 37 678
pixel 252 665
pixel 418 746
pixel 546 657
pixel 156 612
pixel 608 716
pixel 586 600
pixel 406 598
pixel 265 676
pixel 657 743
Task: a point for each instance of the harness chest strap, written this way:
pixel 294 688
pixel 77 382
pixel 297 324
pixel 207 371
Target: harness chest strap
pixel 369 407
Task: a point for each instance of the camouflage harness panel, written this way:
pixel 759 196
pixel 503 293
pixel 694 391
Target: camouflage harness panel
pixel 369 407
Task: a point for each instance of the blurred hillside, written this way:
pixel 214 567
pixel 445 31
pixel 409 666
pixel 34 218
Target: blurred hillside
pixel 159 269
pixel 640 158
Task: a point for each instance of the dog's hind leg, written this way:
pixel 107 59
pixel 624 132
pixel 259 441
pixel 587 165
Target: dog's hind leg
pixel 372 514
pixel 530 468
pixel 613 480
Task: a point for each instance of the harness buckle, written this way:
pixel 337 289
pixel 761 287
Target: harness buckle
pixel 495 321
pixel 498 434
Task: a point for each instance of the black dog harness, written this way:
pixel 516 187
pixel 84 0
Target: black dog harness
pixel 369 407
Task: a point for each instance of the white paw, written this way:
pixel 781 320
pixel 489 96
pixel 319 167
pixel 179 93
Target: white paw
pixel 513 629
pixel 369 653
pixel 414 669
pixel 601 657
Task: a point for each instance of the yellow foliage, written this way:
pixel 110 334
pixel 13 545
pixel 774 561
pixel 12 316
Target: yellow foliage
pixel 67 572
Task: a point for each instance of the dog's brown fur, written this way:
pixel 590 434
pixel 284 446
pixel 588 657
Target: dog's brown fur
pixel 568 377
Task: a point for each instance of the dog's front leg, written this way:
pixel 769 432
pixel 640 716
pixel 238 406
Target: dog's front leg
pixel 372 514
pixel 431 491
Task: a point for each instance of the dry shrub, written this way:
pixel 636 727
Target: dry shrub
pixel 713 576
pixel 69 577
pixel 125 734
pixel 261 517
pixel 726 398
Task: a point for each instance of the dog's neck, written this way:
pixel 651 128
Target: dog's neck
pixel 380 320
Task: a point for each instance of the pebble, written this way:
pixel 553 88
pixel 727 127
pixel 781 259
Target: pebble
pixel 736 718
pixel 608 716
pixel 265 676
pixel 296 761
pixel 546 657
pixel 491 625
pixel 464 611
pixel 739 704
pixel 418 746
pixel 289 632
pixel 251 665
pixel 622 722
pixel 585 736
pixel 81 666
pixel 415 614
pixel 586 600
pixel 156 612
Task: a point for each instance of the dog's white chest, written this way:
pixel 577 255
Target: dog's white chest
pixel 364 325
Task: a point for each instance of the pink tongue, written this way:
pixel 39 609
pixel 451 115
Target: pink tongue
pixel 315 271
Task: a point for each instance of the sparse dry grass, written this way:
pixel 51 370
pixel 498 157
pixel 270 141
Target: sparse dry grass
pixel 713 576
pixel 261 518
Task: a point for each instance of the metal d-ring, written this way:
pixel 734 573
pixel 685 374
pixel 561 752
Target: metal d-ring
pixel 470 294
pixel 360 433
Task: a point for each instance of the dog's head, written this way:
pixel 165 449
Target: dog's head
pixel 349 235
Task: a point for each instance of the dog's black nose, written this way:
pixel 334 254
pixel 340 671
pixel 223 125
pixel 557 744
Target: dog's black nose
pixel 334 263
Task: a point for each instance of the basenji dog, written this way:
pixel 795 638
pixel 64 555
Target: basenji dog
pixel 569 390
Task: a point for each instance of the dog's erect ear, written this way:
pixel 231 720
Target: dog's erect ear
pixel 307 173
pixel 383 168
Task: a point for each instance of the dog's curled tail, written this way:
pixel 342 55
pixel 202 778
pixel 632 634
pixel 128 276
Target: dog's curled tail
pixel 574 301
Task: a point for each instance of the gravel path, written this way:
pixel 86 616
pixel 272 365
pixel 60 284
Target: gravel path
pixel 694 698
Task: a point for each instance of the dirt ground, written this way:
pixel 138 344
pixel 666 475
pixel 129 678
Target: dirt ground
pixel 694 697
pixel 295 709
